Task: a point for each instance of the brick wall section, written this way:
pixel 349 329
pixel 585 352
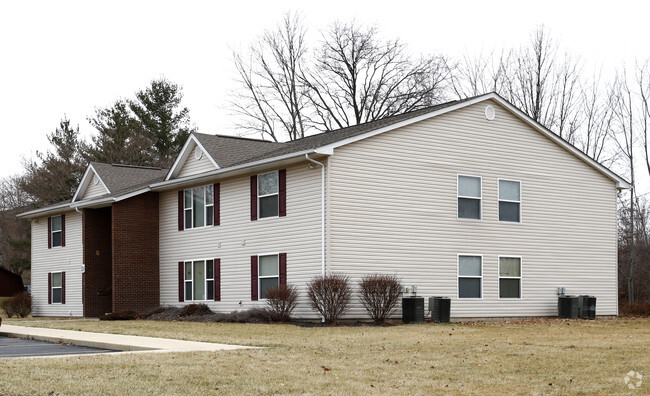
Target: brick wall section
pixel 97 255
pixel 136 268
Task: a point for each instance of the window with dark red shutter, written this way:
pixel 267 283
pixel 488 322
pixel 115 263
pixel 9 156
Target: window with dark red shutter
pixel 62 287
pixel 181 211
pixel 63 230
pixel 253 197
pixel 217 279
pixel 282 189
pixel 49 288
pixel 254 278
pixel 49 233
pixel 283 268
pixel 217 203
pixel 181 281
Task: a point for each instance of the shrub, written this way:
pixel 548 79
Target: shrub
pixel 196 309
pixel 330 296
pixel 638 309
pixel 281 301
pixel 19 305
pixel 379 295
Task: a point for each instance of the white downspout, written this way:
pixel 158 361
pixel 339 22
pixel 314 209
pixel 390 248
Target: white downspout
pixel 322 209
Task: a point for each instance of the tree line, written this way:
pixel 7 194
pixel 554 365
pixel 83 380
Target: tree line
pixel 289 88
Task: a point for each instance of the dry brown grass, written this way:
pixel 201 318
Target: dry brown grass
pixel 527 357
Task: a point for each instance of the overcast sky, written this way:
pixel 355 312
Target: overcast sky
pixel 68 57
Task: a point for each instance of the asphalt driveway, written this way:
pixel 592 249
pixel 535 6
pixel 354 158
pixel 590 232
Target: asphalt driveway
pixel 18 347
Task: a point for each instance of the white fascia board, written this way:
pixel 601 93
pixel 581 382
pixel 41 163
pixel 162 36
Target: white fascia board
pixel 45 211
pixel 218 172
pixel 132 194
pixel 184 155
pixel 620 182
pixel 85 181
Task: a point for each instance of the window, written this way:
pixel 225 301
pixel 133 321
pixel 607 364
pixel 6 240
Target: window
pixel 469 197
pixel 269 273
pixel 56 231
pixel 199 280
pixel 199 206
pixel 268 194
pixel 510 201
pixel 509 277
pixel 56 288
pixel 470 274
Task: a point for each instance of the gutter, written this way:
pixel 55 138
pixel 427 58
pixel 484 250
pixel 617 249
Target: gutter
pixel 322 210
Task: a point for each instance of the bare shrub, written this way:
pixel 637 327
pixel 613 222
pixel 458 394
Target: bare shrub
pixel 281 302
pixel 379 295
pixel 19 305
pixel 330 296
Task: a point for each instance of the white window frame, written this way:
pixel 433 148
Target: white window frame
pixel 458 276
pixel 53 231
pixel 520 277
pixel 191 281
pixel 57 287
pixel 480 198
pixel 206 205
pixel 259 197
pixel 499 200
pixel 260 277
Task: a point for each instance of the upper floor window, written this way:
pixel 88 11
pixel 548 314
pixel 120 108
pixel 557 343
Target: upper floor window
pixel 510 201
pixel 56 231
pixel 469 197
pixel 199 206
pixel 268 193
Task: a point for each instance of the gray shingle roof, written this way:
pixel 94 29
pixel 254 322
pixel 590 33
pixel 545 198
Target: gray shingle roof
pixel 325 138
pixel 122 179
pixel 230 150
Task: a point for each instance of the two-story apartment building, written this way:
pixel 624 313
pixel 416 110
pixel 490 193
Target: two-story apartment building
pixel 470 199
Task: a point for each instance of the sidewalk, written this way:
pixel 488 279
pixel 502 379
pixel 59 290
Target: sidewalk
pixel 113 341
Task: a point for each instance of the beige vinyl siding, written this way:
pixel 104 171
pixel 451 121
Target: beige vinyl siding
pixel 393 209
pixel 192 166
pixel 94 190
pixel 68 258
pixel 238 238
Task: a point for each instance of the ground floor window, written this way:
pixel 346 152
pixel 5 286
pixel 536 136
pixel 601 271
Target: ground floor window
pixel 269 273
pixel 199 280
pixel 470 276
pixel 56 288
pixel 509 277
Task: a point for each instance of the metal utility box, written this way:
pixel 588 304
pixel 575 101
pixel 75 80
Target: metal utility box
pixel 587 307
pixel 413 309
pixel 440 309
pixel 567 307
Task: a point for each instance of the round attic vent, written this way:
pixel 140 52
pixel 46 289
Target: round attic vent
pixel 489 112
pixel 95 180
pixel 198 153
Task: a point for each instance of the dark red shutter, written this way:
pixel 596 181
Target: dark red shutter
pixel 254 278
pixel 62 230
pixel 49 233
pixel 62 287
pixel 181 214
pixel 49 288
pixel 253 197
pixel 181 281
pixel 216 195
pixel 282 190
pixel 217 279
pixel 283 268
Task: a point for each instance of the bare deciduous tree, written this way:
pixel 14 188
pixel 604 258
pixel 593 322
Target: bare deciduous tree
pixel 273 97
pixel 357 78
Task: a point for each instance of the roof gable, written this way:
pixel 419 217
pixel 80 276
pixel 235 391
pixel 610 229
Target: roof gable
pixel 91 185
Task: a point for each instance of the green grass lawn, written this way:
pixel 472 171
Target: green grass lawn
pixel 520 357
